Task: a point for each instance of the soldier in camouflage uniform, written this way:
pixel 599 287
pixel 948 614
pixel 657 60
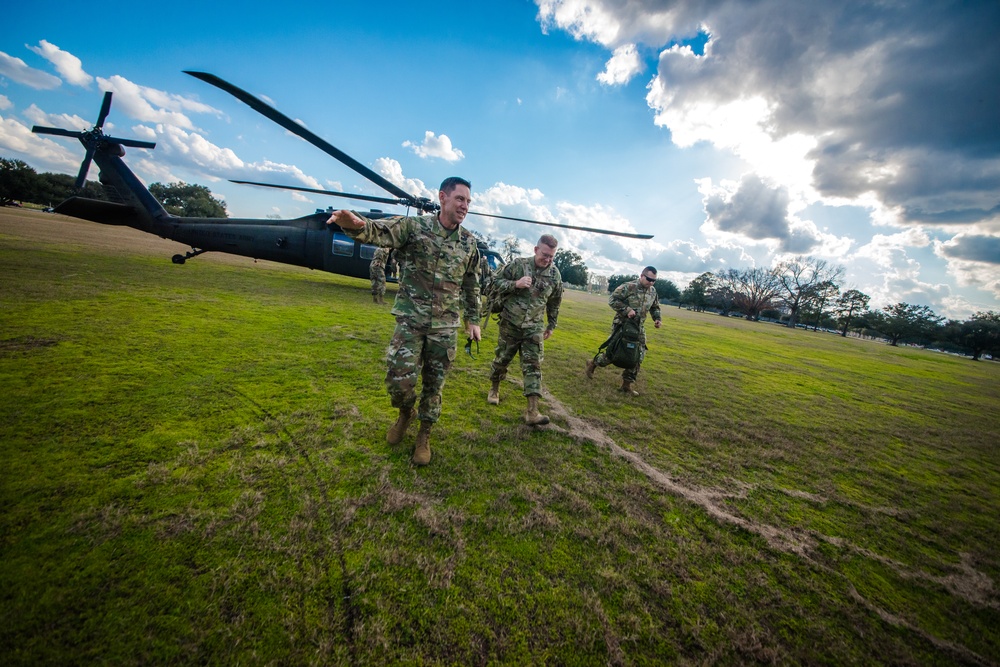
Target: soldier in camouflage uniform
pixel 631 299
pixel 530 290
pixel 439 271
pixel 376 270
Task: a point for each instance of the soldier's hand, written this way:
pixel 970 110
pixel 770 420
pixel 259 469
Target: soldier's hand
pixel 630 314
pixel 474 333
pixel 657 324
pixel 523 282
pixel 346 220
pixel 546 334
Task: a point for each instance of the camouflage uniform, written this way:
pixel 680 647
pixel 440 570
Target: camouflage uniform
pixel 522 322
pixel 376 270
pixel 642 300
pixel 439 271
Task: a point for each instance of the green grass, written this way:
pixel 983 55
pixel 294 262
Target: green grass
pixel 195 471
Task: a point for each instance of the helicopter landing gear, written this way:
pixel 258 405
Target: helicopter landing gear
pixel 180 259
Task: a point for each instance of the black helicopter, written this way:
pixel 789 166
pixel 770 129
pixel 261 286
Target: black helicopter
pixel 307 241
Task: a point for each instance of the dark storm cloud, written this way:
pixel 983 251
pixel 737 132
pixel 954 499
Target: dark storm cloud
pixel 758 212
pixel 984 249
pixel 901 97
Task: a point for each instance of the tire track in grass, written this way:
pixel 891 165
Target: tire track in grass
pixel 334 521
pixel 972 586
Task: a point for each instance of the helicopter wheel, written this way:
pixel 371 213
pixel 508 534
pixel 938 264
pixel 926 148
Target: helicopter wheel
pixel 178 259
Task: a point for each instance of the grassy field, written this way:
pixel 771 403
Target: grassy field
pixel 195 471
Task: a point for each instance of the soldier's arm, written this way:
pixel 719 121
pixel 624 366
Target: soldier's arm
pixel 470 290
pixel 387 233
pixel 619 300
pixel 552 305
pixel 654 311
pixel 507 277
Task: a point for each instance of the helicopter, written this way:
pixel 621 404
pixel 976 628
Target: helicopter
pixel 306 241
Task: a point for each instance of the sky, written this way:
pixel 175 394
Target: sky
pixel 740 134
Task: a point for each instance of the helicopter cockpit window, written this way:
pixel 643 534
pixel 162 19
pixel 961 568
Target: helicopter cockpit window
pixel 342 244
pixel 367 251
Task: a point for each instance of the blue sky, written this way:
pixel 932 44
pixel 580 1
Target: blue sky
pixel 739 134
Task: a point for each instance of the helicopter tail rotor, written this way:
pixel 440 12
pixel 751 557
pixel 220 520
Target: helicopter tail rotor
pixel 94 140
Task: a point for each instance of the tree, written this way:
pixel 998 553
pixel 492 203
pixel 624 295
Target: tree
pixel 799 281
pixel 17 181
pixel 906 322
pixel 849 304
pixel 696 295
pixel 666 290
pixel 618 279
pixel 194 201
pixel 978 335
pixel 752 290
pixel 825 292
pixel 724 290
pixel 510 248
pixel 571 266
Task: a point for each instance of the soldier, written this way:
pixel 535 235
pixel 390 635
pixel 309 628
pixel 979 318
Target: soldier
pixel 376 270
pixel 631 299
pixel 439 271
pixel 530 291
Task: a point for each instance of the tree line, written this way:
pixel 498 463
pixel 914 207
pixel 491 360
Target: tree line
pixel 806 292
pixel 19 182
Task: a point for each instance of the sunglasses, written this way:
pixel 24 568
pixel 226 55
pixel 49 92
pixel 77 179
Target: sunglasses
pixel 649 280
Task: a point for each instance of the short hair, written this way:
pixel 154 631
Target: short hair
pixel 651 269
pixel 448 184
pixel 549 240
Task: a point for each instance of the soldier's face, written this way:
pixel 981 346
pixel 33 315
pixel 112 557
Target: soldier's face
pixel 543 255
pixel 454 206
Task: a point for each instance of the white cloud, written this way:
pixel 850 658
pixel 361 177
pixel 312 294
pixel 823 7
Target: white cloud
pixel 5 103
pixel 624 65
pixel 17 70
pixel 69 66
pixel 392 171
pixel 435 146
pixel 41 152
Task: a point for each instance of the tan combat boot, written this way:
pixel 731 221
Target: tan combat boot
pixel 494 396
pixel 398 430
pixel 532 417
pixel 422 450
pixel 590 369
pixel 628 389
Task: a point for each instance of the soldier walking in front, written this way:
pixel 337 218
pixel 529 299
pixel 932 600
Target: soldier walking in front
pixel 439 274
pixel 530 291
pixel 631 300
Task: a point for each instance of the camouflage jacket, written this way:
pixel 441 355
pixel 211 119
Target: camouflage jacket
pixel 527 308
pixel 380 258
pixel 437 269
pixel 634 296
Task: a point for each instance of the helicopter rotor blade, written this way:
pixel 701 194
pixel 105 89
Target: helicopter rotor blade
pixel 297 129
pixel 105 109
pixel 347 195
pixel 134 143
pixel 386 200
pixel 556 224
pixel 38 129
pixel 81 178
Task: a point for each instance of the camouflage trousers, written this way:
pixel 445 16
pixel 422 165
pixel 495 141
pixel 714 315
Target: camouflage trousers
pixel 628 374
pixel 531 346
pixel 427 353
pixel 378 280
